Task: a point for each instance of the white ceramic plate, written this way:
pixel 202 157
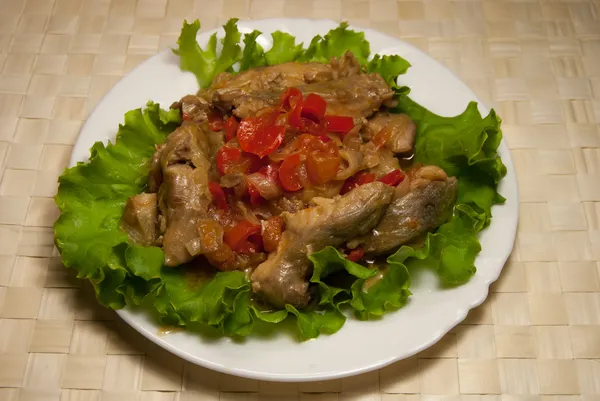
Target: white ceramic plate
pixel 359 346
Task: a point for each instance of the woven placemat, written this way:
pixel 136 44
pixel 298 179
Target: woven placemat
pixel 536 337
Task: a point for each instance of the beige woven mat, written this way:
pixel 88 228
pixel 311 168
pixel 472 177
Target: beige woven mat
pixel 536 337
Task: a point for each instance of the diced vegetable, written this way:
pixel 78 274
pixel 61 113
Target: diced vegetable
pixel 231 127
pixel 219 197
pixel 271 233
pixel 314 107
pixel 359 178
pixel 260 135
pixel 215 123
pixel 239 237
pixel 393 178
pixel 356 254
pixel 231 159
pixel 339 124
pixel 289 173
pixel 255 197
pixel 211 235
pixel 291 101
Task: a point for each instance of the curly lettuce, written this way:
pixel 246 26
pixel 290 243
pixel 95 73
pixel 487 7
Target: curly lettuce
pixel 92 195
pixel 207 63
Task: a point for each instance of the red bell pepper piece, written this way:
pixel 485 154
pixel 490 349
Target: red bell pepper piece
pixel 231 127
pixel 292 102
pixel 339 124
pixel 260 135
pixel 314 107
pixel 219 197
pixel 393 178
pixel 355 255
pixel 289 174
pixel 357 179
pixel 239 237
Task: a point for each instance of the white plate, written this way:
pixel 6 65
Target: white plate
pixel 359 346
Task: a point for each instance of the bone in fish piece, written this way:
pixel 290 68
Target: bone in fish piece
pixel 282 278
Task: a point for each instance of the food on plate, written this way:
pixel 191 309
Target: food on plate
pixel 303 183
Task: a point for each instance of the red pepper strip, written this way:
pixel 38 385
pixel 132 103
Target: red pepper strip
pixel 324 138
pixel 289 174
pixel 356 254
pixel 218 195
pixel 357 179
pixel 230 159
pixel 238 237
pixel 317 128
pixel 231 127
pixel 260 135
pixel 314 107
pixel 291 101
pixel 340 124
pixel 215 123
pixel 255 198
pixel 393 178
pixel 186 117
pixel 271 171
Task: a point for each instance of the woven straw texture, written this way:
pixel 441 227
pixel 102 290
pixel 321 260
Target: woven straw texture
pixel 537 337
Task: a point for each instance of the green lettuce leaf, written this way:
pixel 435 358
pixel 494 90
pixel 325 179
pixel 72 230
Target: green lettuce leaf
pixel 389 67
pixel 335 43
pixel 91 197
pixel 221 302
pixel 253 54
pixel 284 49
pixel 206 64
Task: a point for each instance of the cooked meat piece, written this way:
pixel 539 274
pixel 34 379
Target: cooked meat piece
pixel 277 77
pixel 183 202
pixel 283 277
pixel 140 219
pixel 242 91
pixel 399 131
pixel 155 175
pixel 187 144
pixel 248 105
pixel 427 205
pixel 255 89
pixel 354 96
pixel 197 108
pixel 345 65
pixel 183 196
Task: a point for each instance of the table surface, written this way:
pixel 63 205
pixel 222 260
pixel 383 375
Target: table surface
pixel 536 337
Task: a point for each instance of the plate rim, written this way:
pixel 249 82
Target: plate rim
pixel 127 315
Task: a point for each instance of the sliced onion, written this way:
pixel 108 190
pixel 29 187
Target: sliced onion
pixel 336 139
pixel 266 187
pixel 387 163
pixel 282 152
pixel 245 213
pixel 353 159
pixel 403 188
pixel 371 156
pixel 231 180
pixel 329 190
pixel 352 140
